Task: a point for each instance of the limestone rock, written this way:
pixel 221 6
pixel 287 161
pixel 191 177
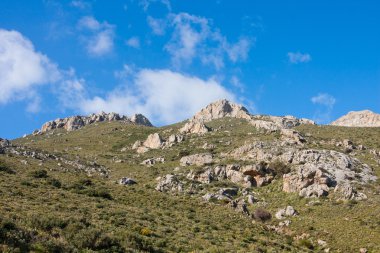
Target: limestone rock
pixel 220 109
pixel 152 161
pixel 286 212
pixel 292 136
pixel 197 159
pixel 154 141
pixel 194 127
pixel 127 181
pixel 365 118
pixel 77 122
pixel 169 183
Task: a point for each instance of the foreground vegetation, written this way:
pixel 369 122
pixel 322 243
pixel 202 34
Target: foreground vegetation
pixel 45 207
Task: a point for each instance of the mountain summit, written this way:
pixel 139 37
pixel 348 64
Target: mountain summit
pixel 365 118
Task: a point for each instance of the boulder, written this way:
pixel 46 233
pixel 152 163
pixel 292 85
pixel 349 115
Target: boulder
pixel 197 159
pixel 152 161
pixel 127 181
pixel 286 212
pixel 169 183
pixel 292 136
pixel 153 141
pixel 194 127
pixel 215 196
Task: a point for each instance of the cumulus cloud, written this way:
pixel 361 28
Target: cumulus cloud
pixel 100 38
pixel 22 69
pixel 298 57
pixel 162 95
pixel 133 42
pixel 194 37
pixel 323 114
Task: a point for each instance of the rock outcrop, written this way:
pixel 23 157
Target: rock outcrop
pixel 77 122
pixel 197 159
pixel 194 127
pixel 220 109
pixel 313 172
pixel 364 118
pixel 153 161
pixel 4 143
pixel 169 183
pixel 155 141
pixel 286 212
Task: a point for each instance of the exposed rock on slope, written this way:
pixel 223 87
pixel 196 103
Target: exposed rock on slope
pixel 220 109
pixel 155 141
pixel 314 172
pixel 76 122
pixel 194 127
pixel 364 118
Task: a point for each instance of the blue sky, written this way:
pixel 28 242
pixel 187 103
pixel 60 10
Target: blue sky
pixel 167 59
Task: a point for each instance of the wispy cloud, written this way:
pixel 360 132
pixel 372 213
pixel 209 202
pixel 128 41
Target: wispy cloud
pixel 133 42
pixel 100 40
pixel 194 37
pixel 297 57
pixel 80 4
pixel 157 25
pixel 322 115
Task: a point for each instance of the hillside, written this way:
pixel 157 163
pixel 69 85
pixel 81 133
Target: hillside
pixel 363 118
pixel 215 183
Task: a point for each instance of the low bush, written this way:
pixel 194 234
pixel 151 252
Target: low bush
pixel 262 215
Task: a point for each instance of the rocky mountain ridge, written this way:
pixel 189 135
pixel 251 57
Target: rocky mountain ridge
pixel 365 118
pixel 77 122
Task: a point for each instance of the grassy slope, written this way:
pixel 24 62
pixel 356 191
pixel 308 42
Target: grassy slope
pixel 138 217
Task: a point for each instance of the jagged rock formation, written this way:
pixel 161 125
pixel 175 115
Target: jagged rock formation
pixel 77 122
pixel 224 108
pixel 169 183
pixel 220 109
pixel 3 144
pixel 365 118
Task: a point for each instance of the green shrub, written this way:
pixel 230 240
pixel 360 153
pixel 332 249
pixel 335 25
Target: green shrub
pixel 6 169
pixel 262 215
pixel 39 174
pixel 279 168
pixel 55 182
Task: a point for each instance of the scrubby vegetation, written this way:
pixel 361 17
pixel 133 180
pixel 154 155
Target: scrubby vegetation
pixel 68 211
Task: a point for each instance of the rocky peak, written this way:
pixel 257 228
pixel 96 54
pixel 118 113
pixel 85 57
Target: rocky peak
pixel 220 109
pixel 76 122
pixel 140 119
pixel 365 118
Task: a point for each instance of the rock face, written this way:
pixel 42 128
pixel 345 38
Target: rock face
pixel 76 122
pixel 4 143
pixel 197 159
pixel 286 212
pixel 155 141
pixel 194 127
pixel 220 109
pixel 364 118
pixel 140 119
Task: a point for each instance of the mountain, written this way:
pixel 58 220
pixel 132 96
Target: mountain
pixel 365 118
pixel 225 180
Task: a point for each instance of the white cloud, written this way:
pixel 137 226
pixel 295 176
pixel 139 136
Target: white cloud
pixel 162 95
pixel 298 57
pixel 158 26
pixel 194 37
pixel 324 99
pixel 100 41
pixel 22 68
pixel 133 42
pixel 327 101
